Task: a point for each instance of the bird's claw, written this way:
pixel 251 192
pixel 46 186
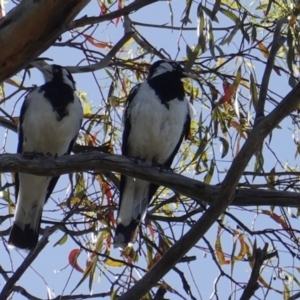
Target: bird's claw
pixel 33 154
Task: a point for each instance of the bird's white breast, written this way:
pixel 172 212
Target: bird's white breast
pixel 155 128
pixel 43 131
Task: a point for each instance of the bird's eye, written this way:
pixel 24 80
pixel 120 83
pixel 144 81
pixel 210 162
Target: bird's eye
pixel 55 70
pixel 174 65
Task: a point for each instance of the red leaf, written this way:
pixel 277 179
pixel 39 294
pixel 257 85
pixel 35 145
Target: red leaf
pixel 103 9
pixel 108 193
pixel 120 6
pixel 226 85
pixel 96 43
pixel 277 70
pixel 150 227
pixel 279 220
pixel 230 90
pixel 263 49
pixel 73 260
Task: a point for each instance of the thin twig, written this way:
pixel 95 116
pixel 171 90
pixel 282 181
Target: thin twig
pixel 276 44
pixel 134 6
pixel 8 287
pixel 106 60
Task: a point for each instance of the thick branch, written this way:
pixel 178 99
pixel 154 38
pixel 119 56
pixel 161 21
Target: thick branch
pixel 260 255
pixel 31 28
pixel 103 162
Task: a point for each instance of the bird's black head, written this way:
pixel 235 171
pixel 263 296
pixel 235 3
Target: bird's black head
pixel 165 66
pixel 58 73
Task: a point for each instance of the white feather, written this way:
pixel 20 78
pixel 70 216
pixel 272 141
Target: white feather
pixel 42 132
pixel 154 134
pixel 157 128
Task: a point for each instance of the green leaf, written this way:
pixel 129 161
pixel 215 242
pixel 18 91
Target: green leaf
pixel 216 8
pixel 253 34
pixel 225 146
pixel 210 173
pixel 200 29
pixel 292 81
pixel 2 93
pixel 229 14
pixel 253 90
pixel 259 163
pixel 114 294
pixel 209 13
pixel 290 57
pixel 211 41
pixel 62 240
pixel 201 147
pixel 269 7
pixel 90 269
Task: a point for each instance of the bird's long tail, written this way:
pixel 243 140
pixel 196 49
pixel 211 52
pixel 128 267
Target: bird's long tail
pixel 133 209
pixel 31 199
pixel 25 238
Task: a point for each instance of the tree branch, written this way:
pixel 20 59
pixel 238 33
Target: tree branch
pixel 104 162
pixel 134 6
pixel 277 43
pixel 31 28
pixel 259 255
pixel 128 33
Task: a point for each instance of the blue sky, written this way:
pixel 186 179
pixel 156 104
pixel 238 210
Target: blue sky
pixel 51 268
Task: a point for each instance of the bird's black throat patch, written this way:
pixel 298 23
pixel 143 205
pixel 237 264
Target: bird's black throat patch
pixel 60 95
pixel 167 86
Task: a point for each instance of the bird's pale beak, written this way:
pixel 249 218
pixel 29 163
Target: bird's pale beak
pixel 44 68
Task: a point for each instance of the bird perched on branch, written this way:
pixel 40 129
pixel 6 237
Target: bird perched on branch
pixel 50 120
pixel 157 118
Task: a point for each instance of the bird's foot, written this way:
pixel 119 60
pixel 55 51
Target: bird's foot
pixel 138 160
pixel 34 154
pixel 160 166
pixel 51 155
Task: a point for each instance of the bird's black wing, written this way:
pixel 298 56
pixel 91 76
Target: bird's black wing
pixel 127 124
pixel 20 140
pixel 126 132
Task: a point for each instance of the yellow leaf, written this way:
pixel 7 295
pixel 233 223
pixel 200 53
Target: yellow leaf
pixel 113 263
pixel 263 49
pixel 243 249
pixel 219 252
pixel 86 106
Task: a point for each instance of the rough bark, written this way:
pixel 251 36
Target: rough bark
pixel 30 29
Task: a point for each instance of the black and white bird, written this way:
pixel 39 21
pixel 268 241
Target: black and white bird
pixel 157 118
pixel 50 121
